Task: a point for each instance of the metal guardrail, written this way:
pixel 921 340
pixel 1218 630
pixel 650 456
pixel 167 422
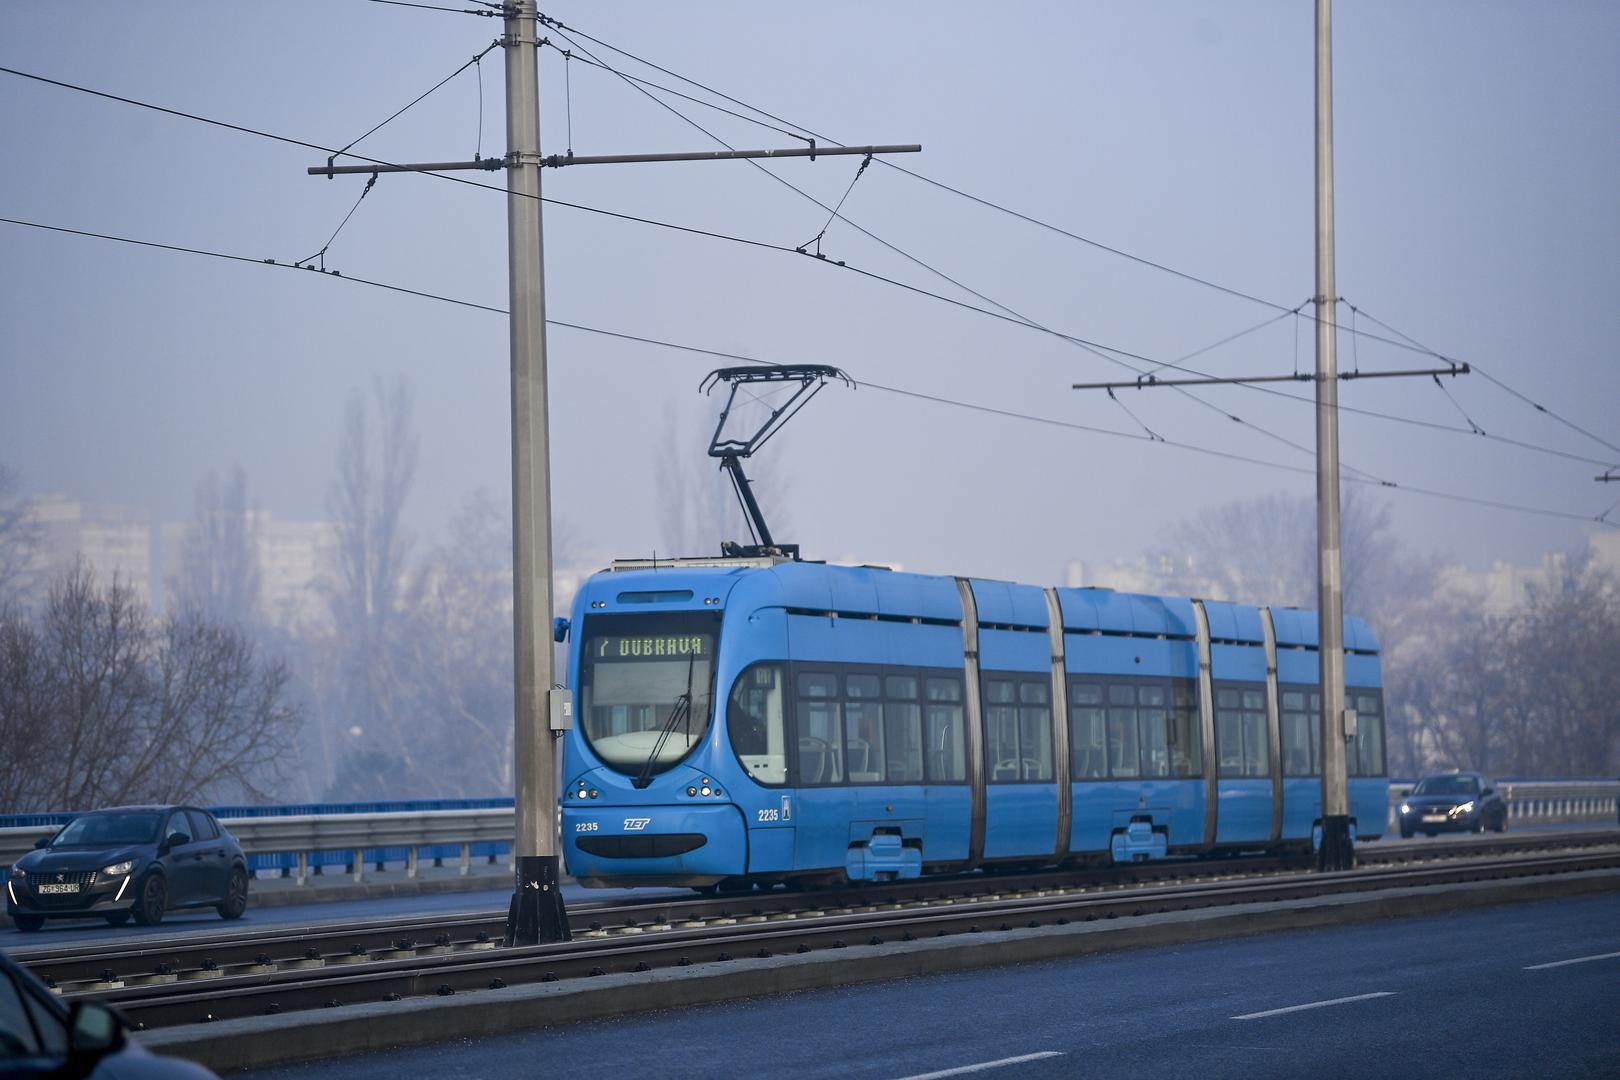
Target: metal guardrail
pixel 1540 802
pixel 361 837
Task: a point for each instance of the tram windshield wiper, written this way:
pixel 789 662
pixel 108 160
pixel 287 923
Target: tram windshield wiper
pixel 681 710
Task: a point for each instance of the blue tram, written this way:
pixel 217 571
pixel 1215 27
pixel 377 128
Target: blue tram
pixel 756 720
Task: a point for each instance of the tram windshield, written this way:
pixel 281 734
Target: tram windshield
pixel 646 687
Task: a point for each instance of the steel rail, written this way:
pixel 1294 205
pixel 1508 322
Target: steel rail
pixel 178 958
pixel 162 1005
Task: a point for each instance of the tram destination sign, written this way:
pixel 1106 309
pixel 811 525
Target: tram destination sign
pixel 653 647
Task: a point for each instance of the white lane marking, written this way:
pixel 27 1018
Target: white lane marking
pixel 983 1065
pixel 1316 1005
pixel 1577 960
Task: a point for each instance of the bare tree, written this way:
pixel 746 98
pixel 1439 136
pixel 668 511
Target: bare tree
pixel 460 652
pixel 20 539
pixel 1264 551
pixel 96 640
pixel 1562 708
pixel 104 707
pixel 219 554
pixel 375 468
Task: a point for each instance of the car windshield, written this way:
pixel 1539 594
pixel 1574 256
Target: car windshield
pixel 1447 785
pixel 646 686
pixel 108 829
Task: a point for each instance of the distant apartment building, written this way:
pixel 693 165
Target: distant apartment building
pixel 1500 589
pixel 293 556
pixel 1504 586
pixel 114 541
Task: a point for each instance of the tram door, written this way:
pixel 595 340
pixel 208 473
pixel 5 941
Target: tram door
pixel 1020 782
pixel 1243 762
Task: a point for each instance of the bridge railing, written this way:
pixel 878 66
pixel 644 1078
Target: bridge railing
pixel 1539 802
pixel 305 843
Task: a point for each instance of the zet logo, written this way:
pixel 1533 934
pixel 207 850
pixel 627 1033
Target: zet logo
pixel 636 824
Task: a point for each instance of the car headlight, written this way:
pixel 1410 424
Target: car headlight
pixel 19 873
pixel 1465 808
pixel 1405 809
pixel 119 869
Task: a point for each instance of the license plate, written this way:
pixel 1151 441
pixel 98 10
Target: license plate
pixel 54 887
pixel 1434 817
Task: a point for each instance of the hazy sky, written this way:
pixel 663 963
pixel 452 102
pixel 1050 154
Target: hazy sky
pixel 1478 160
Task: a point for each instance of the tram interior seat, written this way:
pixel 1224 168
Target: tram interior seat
pixel 860 761
pixel 812 759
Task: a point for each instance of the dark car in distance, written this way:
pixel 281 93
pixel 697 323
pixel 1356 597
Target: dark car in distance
pixel 42 1036
pixel 1453 802
pixel 129 861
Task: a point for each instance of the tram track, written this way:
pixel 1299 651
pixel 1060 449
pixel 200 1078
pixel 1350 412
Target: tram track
pixel 194 959
pixel 669 944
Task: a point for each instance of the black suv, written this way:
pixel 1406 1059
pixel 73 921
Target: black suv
pixel 1453 802
pixel 128 861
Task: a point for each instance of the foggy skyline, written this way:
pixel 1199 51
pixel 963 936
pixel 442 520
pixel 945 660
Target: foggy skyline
pixel 1476 163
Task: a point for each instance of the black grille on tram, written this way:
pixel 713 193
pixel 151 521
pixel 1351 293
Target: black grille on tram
pixel 641 847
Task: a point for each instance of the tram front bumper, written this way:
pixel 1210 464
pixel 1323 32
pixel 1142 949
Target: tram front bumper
pixel 617 846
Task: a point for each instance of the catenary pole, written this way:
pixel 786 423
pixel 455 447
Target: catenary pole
pixel 541 709
pixel 536 914
pixel 1336 852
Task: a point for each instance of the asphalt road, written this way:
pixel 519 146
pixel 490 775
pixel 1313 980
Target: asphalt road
pixel 1523 990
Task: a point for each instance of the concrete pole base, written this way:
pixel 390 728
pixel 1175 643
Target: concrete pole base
pixel 1337 851
pixel 537 915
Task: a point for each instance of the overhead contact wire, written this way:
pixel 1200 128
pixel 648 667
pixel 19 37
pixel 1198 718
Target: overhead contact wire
pixel 723 355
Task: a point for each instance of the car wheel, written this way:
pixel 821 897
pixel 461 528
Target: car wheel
pixel 1501 823
pixel 1478 826
pixel 151 900
pixel 1406 834
pixel 235 901
pixel 117 918
pixel 28 923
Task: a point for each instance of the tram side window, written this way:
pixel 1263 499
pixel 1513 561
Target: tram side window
pixel 1001 729
pixel 1124 759
pixel 1088 739
pixel 1035 729
pixel 1240 732
pixel 945 757
pixel 1186 740
pixel 902 729
pixel 1152 716
pixel 820 724
pixel 755 720
pixel 1301 719
pixel 863 729
pixel 1366 757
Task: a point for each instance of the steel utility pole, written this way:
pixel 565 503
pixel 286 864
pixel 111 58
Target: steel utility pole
pixel 541 713
pixel 1338 725
pixel 537 913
